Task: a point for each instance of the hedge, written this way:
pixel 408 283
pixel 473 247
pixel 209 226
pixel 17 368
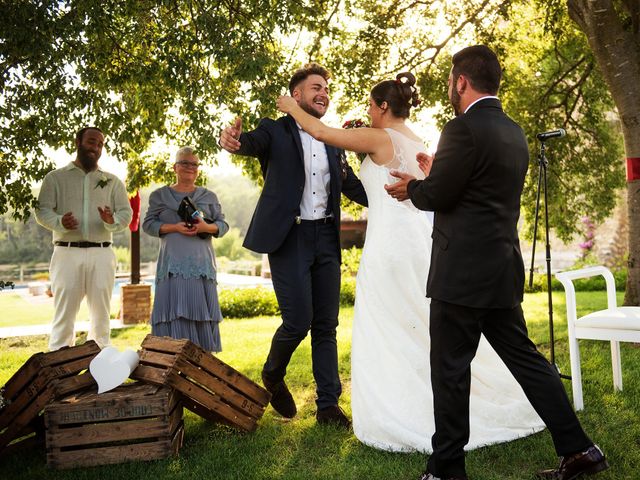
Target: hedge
pixel 260 301
pixel 591 284
pixel 248 302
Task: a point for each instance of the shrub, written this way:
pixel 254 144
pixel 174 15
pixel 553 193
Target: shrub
pixel 41 276
pixel 581 285
pixel 248 302
pixel 123 258
pixel 540 283
pixel 350 261
pixel 347 291
pixel 230 246
pixel 260 301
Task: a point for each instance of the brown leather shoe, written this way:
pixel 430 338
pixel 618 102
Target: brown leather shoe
pixel 590 461
pixel 333 415
pixel 429 476
pixel 281 398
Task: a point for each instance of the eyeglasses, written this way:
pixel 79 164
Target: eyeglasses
pixel 185 164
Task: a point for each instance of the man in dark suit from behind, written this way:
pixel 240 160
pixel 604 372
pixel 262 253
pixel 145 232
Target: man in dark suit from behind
pixel 297 222
pixel 476 278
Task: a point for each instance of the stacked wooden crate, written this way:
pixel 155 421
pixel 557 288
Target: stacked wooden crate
pixel 210 387
pixel 135 421
pixel 43 378
pixel 139 421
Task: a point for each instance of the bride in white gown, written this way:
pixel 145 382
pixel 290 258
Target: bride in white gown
pixel 391 398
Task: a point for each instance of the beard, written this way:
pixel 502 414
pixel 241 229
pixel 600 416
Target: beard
pixel 455 102
pixel 89 162
pixel 309 108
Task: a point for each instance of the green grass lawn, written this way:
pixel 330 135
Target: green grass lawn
pixel 300 449
pixel 16 310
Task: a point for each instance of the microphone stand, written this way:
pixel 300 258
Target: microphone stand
pixel 542 179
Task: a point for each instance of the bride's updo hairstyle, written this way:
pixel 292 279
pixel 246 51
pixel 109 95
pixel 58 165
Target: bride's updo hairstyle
pixel 400 94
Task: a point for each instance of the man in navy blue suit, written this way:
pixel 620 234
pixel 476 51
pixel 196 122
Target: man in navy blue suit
pixel 297 223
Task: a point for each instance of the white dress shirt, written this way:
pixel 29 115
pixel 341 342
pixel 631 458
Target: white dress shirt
pixel 317 178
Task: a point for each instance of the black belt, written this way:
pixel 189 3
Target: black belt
pixel 82 244
pixel 320 221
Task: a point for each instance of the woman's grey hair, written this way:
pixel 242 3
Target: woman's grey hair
pixel 186 151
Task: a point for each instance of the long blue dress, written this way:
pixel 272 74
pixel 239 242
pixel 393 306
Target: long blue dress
pixel 186 300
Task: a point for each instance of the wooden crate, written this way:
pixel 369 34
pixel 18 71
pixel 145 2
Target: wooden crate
pixel 210 387
pixel 135 421
pixel 41 379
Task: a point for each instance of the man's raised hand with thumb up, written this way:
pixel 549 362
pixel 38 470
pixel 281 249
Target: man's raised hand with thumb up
pixel 230 135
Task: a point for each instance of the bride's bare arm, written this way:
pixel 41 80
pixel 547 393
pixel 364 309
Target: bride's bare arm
pixel 360 140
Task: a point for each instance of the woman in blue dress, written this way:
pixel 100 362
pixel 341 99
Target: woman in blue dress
pixel 186 300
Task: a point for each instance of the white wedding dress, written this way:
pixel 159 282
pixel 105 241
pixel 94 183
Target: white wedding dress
pixel 391 398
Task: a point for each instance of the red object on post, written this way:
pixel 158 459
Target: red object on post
pixel 135 206
pixel 633 169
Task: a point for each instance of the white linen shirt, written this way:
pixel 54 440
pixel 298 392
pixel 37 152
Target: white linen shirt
pixel 317 178
pixel 71 189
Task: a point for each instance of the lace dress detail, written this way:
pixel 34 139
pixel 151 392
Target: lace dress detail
pixel 391 398
pixel 404 160
pixel 194 264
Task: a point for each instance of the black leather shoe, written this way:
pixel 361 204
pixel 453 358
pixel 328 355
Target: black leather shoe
pixel 281 398
pixel 429 476
pixel 333 415
pixel 590 461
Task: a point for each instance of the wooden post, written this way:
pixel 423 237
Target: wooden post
pixel 135 257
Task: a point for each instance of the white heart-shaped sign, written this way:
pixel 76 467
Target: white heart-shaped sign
pixel 111 367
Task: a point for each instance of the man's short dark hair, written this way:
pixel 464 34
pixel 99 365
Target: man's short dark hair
pixel 480 65
pixel 301 74
pixel 80 133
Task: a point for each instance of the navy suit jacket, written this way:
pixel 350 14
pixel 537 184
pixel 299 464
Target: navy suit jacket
pixel 474 187
pixel 277 145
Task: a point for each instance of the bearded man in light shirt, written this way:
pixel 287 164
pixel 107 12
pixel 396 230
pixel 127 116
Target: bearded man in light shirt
pixel 83 206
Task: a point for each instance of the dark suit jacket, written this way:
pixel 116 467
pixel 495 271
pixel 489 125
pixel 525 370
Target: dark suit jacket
pixel 474 187
pixel 277 145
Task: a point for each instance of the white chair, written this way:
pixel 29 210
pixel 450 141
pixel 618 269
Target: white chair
pixel 615 324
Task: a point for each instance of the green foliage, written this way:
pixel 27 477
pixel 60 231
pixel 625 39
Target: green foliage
pixel 248 302
pixel 230 246
pixel 123 258
pixel 140 70
pixel 41 276
pixel 238 196
pixel 347 291
pixel 550 81
pixel 23 242
pixel 350 261
pixel 591 284
pixel 259 301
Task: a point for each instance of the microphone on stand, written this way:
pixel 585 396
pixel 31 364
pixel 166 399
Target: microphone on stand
pixel 561 132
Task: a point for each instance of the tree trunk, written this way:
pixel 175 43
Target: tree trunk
pixel 632 293
pixel 615 43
